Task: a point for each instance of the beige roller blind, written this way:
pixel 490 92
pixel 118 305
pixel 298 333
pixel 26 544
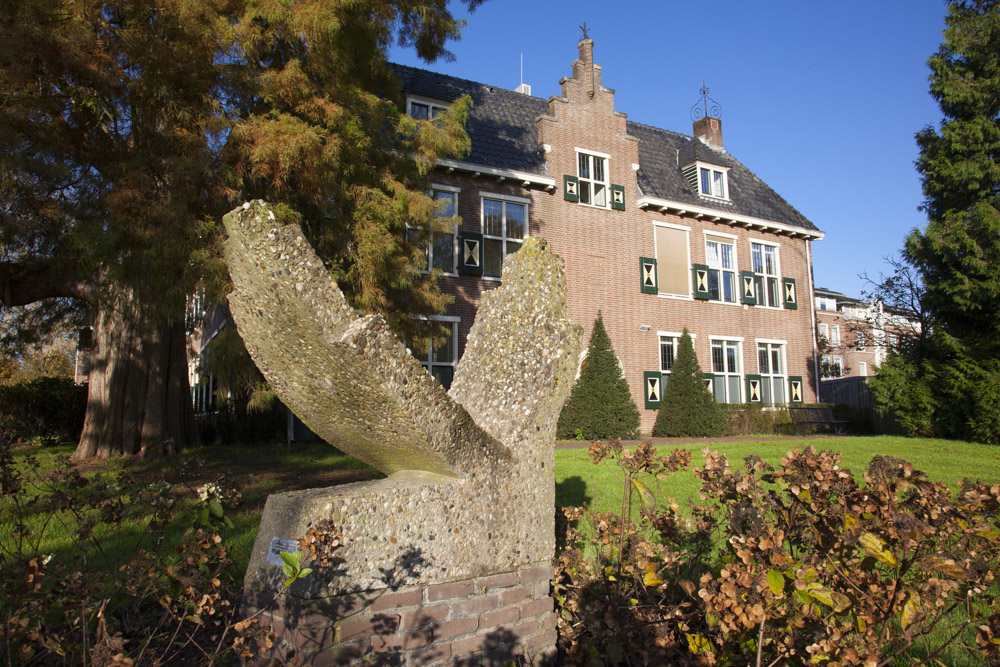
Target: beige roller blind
pixel 673 265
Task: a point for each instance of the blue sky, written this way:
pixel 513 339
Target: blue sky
pixel 820 100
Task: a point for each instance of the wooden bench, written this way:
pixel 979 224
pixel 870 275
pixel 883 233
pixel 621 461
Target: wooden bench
pixel 815 415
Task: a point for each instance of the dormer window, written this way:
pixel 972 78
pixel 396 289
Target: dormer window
pixel 424 109
pixel 713 182
pixel 708 179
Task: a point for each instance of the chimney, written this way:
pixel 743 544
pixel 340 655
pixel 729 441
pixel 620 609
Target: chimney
pixel 586 47
pixel 709 130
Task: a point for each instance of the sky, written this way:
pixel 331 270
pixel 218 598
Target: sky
pixel 820 100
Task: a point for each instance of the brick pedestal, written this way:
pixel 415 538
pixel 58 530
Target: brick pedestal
pixel 479 621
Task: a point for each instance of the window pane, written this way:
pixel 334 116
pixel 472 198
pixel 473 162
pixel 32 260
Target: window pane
pixel 732 360
pixel 720 389
pixel 713 284
pixel 762 360
pixel 779 390
pixel 584 166
pixel 444 252
pixel 712 253
pixel 718 363
pixel 584 192
pixel 419 111
pixel 598 169
pixel 729 286
pixel 706 185
pixel 776 367
pixel 734 388
pixel 446 204
pixel 727 255
pixel 492 217
pixel 515 221
pixel 444 375
pixel 512 247
pixel 667 353
pixel 755 254
pixel 771 260
pixel 600 195
pixel 772 292
pixel 492 257
pixel 443 349
pixel 765 394
pixel 717 184
pixel 435 111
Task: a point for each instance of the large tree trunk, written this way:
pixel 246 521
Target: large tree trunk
pixel 139 401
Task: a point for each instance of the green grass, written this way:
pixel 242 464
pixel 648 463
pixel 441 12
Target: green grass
pixel 580 482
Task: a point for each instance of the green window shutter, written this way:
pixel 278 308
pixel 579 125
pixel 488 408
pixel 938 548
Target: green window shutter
pixel 571 188
pixel 618 197
pixel 647 275
pixel 790 292
pixel 470 258
pixel 748 291
pixel 709 379
pixel 795 389
pixel 652 383
pixel 700 272
pixel 755 390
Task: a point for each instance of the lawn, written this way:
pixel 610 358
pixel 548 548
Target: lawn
pixel 580 482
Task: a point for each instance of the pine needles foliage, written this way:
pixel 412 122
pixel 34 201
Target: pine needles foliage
pixel 688 409
pixel 600 406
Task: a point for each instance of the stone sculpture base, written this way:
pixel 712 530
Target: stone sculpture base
pixel 487 620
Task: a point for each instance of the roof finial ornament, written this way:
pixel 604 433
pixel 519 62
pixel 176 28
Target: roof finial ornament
pixel 584 29
pixel 706 106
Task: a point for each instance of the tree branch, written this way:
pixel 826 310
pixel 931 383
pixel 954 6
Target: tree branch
pixel 22 283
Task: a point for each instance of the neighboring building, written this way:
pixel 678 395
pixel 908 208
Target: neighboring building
pixel 658 230
pixel 855 336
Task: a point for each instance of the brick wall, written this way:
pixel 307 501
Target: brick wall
pixel 601 249
pixel 484 620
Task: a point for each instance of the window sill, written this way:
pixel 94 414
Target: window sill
pixel 769 307
pixel 713 197
pixel 723 303
pixel 600 208
pixel 675 297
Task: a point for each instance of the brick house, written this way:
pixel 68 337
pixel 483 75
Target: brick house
pixel 856 336
pixel 658 230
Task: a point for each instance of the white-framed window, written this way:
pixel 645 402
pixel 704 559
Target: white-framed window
pixel 592 172
pixel 673 259
pixel 764 257
pixel 668 353
pixel 505 226
pixel 863 368
pixel 727 366
pixel 771 366
pixel 423 109
pixel 826 303
pixel 720 256
pixel 824 332
pixel 835 335
pixel 440 251
pixel 860 335
pixel 439 354
pixel 712 181
pixel 833 366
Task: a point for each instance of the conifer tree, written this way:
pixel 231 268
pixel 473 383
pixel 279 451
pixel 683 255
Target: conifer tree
pixel 687 408
pixel 128 128
pixel 957 254
pixel 600 405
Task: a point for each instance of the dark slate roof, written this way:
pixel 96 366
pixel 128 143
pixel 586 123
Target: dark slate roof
pixel 504 135
pixel 660 176
pixel 501 125
pixel 697 150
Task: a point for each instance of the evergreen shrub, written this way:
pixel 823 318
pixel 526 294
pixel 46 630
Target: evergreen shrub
pixel 48 408
pixel 688 409
pixel 600 406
